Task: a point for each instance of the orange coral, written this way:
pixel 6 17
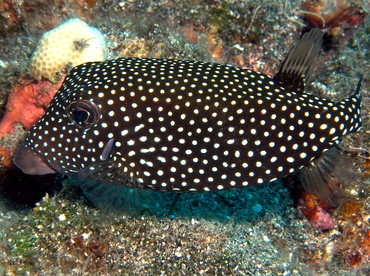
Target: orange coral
pixel 192 31
pixel 351 211
pixel 26 105
pixel 309 199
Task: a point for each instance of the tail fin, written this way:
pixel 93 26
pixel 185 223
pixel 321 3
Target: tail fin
pixel 350 111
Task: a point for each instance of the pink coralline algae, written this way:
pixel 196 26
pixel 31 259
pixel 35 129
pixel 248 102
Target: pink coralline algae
pixel 319 218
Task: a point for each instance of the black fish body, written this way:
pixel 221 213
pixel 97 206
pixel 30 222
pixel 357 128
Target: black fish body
pixel 182 126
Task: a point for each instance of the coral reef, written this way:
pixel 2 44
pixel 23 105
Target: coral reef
pixel 255 231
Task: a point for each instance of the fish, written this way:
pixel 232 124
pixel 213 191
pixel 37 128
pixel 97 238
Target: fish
pixel 191 126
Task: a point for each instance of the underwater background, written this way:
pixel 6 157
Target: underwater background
pixel 47 226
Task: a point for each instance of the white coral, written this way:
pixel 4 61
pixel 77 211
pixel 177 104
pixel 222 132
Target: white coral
pixel 70 44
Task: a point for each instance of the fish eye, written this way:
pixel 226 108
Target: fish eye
pixel 83 113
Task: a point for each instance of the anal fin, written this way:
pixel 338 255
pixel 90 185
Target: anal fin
pixel 326 176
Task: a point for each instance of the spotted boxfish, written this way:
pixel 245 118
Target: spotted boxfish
pixel 190 126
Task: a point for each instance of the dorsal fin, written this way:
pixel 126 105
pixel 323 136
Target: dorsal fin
pixel 297 67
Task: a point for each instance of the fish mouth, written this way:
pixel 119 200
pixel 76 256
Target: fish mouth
pixel 32 162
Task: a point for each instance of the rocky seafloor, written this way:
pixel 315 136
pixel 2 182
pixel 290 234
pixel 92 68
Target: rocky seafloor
pixel 47 227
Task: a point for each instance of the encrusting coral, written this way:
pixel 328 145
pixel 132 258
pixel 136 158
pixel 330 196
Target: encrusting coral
pixel 70 44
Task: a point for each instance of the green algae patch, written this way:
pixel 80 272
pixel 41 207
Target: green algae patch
pixel 21 244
